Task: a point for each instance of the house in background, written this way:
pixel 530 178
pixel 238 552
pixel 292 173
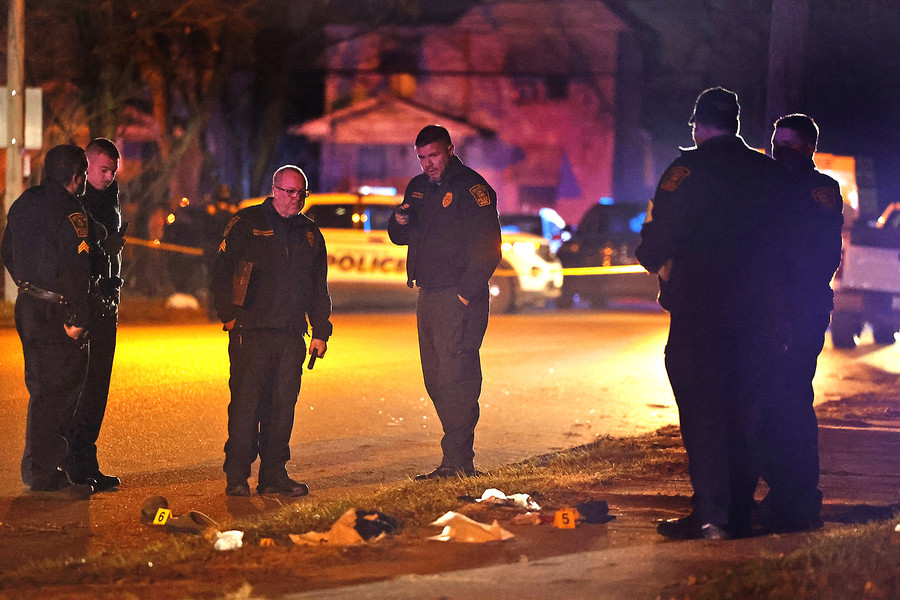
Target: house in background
pixel 542 98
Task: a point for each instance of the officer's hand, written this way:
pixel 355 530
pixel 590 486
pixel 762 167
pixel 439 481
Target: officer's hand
pixel 229 325
pixel 74 332
pixel 318 347
pixel 665 271
pixel 401 213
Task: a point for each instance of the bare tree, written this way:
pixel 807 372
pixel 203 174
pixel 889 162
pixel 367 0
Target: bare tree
pixel 785 91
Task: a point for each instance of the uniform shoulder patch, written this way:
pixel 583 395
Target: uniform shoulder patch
pixel 826 196
pixel 448 198
pixel 80 223
pixel 673 178
pixel 311 238
pixel 480 193
pixel 231 224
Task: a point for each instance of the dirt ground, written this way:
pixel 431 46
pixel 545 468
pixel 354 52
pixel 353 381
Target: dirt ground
pixel 110 523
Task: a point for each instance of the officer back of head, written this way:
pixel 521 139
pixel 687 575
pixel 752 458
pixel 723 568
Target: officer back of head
pixel 62 163
pixel 718 108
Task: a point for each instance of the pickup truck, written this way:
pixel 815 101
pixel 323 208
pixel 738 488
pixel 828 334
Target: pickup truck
pixel 867 284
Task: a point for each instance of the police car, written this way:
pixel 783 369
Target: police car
pixel 365 266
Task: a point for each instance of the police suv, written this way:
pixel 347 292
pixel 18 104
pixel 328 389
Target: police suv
pixel 365 266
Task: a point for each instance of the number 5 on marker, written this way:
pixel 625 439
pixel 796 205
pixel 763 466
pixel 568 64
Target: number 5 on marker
pixel 565 518
pixel 162 515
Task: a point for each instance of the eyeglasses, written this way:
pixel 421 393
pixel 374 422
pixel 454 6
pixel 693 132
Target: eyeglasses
pixel 292 192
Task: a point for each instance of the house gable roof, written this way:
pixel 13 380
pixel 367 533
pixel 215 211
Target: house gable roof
pixel 382 120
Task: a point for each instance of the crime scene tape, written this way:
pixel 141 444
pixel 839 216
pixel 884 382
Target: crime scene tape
pixel 163 246
pixel 567 271
pixel 611 270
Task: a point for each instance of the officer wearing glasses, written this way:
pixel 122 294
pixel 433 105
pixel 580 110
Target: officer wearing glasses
pixel 269 288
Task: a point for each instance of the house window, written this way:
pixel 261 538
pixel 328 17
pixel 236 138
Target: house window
pixel 403 57
pixel 557 87
pixel 527 89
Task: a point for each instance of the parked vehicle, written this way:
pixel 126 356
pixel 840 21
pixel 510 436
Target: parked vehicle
pixel 867 284
pixel 599 258
pixel 547 224
pixel 365 266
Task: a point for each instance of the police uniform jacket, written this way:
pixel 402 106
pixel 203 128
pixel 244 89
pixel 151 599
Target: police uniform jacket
pixel 287 281
pixel 453 233
pixel 46 245
pixel 815 242
pixel 715 215
pixel 103 208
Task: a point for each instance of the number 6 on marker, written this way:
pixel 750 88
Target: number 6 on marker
pixel 162 515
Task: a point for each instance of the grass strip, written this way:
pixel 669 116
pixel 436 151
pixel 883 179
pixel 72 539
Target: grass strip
pixel 859 562
pixel 412 504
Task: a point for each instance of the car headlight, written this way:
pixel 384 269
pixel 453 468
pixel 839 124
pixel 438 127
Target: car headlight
pixel 520 247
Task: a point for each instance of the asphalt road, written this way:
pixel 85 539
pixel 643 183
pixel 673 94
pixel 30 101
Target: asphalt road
pixel 551 380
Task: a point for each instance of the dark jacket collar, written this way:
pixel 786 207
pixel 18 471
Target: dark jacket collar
pixel 717 143
pixel 454 166
pixel 268 208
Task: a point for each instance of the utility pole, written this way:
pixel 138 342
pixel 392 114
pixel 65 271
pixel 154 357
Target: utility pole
pixel 788 34
pixel 15 117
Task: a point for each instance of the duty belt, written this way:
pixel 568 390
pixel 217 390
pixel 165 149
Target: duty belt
pixel 40 293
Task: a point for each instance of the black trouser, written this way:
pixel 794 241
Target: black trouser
pixel 55 370
pixel 450 336
pixel 85 428
pixel 266 366
pixel 791 432
pixel 716 374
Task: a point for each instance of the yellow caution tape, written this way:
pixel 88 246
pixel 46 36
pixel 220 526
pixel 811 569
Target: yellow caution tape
pixel 163 246
pixel 612 270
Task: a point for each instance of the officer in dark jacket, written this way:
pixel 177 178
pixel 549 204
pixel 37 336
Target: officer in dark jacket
pixel 47 252
pixel 269 277
pixel 711 237
pixel 449 220
pixel 101 200
pixel 814 202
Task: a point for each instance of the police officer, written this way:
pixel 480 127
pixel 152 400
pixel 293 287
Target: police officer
pixel 47 252
pixel 815 207
pixel 269 278
pixel 101 200
pixel 448 218
pixel 710 236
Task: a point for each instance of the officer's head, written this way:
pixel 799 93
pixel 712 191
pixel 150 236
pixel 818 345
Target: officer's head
pixel 794 141
pixel 289 190
pixel 103 162
pixel 66 165
pixel 434 149
pixel 716 112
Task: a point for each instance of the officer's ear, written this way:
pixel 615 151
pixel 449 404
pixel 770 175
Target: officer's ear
pixel 76 184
